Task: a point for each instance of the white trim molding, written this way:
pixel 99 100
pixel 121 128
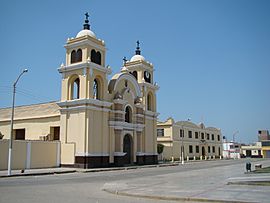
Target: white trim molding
pixel 85 41
pixel 149 85
pixel 86 154
pixel 139 154
pixel 120 101
pixel 119 154
pixel 120 125
pixel 150 154
pixel 90 65
pixel 80 102
pixel 151 113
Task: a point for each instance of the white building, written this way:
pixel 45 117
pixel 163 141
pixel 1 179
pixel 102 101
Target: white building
pixel 231 150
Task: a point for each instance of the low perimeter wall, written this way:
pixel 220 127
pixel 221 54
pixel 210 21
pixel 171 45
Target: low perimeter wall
pixel 27 154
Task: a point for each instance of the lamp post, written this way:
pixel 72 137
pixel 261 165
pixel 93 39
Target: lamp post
pixel 182 134
pixel 182 145
pixel 11 122
pixel 234 143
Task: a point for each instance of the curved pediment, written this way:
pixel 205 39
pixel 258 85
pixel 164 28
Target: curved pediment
pixel 129 82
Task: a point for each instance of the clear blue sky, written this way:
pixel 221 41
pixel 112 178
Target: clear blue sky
pixel 212 58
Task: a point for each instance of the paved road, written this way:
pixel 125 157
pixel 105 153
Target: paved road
pixel 196 180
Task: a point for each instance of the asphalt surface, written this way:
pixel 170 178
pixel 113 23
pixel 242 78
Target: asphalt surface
pixel 195 181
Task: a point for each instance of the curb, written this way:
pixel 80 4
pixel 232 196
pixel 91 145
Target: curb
pixel 88 170
pixel 172 198
pixel 37 174
pixel 125 168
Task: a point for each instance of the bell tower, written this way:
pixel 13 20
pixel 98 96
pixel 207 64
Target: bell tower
pixel 143 71
pixel 84 99
pixel 84 76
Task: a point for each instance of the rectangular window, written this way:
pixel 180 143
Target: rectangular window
pixel 190 149
pixel 218 137
pixel 196 135
pixel 56 133
pixel 197 149
pixel 208 136
pixel 213 149
pixel 189 134
pixel 20 134
pixel 213 137
pixel 182 133
pixel 160 132
pixel 209 149
pixel 202 135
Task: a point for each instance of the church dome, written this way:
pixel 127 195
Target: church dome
pixel 137 58
pixel 86 32
pixel 86 29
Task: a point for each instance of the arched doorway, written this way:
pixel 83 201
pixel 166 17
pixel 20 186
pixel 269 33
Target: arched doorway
pixel 127 148
pixel 203 151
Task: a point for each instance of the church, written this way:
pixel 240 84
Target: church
pixel 99 122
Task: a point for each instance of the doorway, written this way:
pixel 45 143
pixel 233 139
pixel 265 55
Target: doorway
pixel 203 151
pixel 127 148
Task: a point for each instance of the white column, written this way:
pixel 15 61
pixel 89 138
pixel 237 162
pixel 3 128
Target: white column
pixel 58 158
pixel 28 155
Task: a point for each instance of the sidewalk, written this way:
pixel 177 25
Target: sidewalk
pixel 35 172
pixel 52 171
pixel 218 184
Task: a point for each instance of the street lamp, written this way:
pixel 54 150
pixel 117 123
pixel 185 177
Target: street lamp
pixel 234 143
pixel 182 134
pixel 182 145
pixel 11 122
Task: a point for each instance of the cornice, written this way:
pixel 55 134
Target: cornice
pixel 81 65
pixel 124 125
pixel 80 102
pixel 149 85
pixel 85 40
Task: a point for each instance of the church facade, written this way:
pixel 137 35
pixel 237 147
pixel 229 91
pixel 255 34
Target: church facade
pixel 99 122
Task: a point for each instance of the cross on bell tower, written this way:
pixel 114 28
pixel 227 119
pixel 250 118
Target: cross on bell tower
pixel 86 25
pixel 138 51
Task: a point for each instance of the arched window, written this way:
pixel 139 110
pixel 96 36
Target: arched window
pixel 76 89
pixel 149 102
pixel 79 55
pixel 128 114
pixel 93 56
pixel 98 58
pixel 96 90
pixel 134 73
pixel 73 57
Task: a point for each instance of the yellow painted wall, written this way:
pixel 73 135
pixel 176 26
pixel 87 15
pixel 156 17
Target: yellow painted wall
pixel 3 154
pixel 43 154
pixel 67 153
pixel 34 128
pixel 150 136
pixel 75 129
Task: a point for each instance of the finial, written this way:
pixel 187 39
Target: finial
pixel 138 51
pixel 86 25
pixel 124 61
